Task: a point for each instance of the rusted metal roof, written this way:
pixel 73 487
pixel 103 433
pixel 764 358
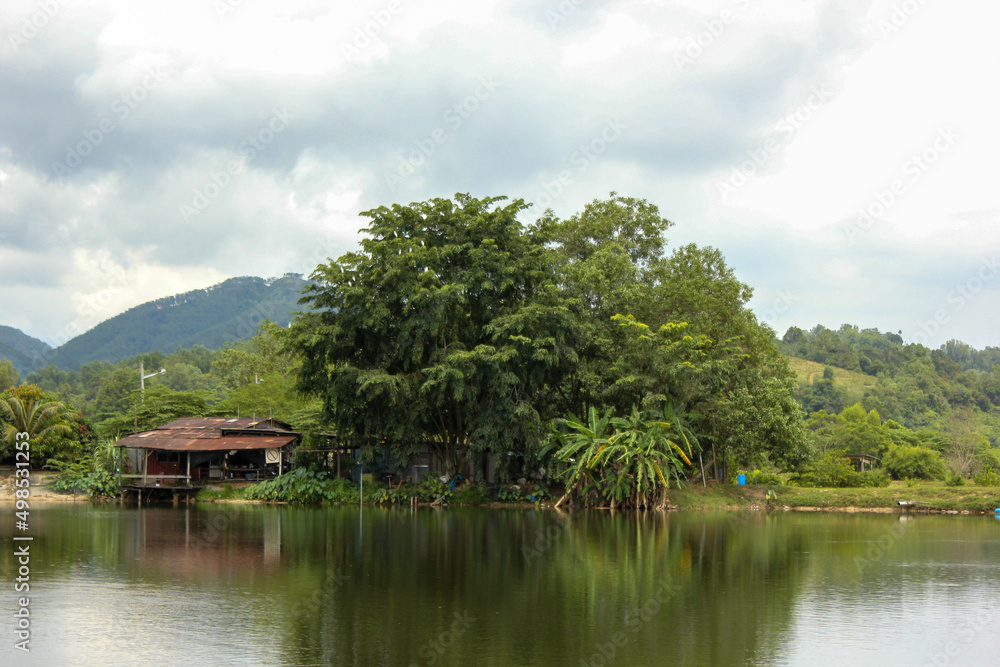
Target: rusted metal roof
pixel 171 442
pixel 200 434
pixel 211 423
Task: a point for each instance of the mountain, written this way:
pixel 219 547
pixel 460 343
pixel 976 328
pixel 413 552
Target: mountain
pixel 231 310
pixel 23 350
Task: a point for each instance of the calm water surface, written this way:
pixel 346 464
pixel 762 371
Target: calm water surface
pixel 253 585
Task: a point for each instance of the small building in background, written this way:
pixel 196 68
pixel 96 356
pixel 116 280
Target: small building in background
pixel 862 462
pixel 195 450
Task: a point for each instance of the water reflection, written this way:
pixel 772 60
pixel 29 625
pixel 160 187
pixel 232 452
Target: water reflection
pixel 237 584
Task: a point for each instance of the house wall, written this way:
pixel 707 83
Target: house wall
pixel 156 465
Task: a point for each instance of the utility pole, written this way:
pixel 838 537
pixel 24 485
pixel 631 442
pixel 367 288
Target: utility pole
pixel 143 377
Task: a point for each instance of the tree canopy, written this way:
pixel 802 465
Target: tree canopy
pixel 459 325
pixel 446 327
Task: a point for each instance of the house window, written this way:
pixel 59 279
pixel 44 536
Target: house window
pixel 168 457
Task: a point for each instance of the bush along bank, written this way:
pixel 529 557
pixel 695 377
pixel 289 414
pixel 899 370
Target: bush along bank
pixel 919 496
pixel 307 487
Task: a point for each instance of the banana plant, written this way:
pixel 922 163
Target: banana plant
pixel 627 461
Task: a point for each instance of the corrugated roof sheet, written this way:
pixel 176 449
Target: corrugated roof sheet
pixel 171 442
pixel 213 434
pixel 211 423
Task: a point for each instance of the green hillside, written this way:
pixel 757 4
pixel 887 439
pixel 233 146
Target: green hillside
pixel 24 351
pixel 953 390
pixel 855 383
pixel 211 317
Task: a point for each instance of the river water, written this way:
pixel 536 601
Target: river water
pixel 264 585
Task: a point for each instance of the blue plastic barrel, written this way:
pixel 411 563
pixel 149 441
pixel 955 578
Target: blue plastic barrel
pixel 742 479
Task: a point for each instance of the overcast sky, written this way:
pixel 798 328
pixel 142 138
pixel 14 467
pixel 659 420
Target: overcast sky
pixel 842 155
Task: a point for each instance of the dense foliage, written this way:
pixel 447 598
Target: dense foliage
pixel 624 462
pixel 914 462
pixel 305 486
pixel 946 400
pixel 54 430
pixel 95 474
pixel 445 328
pixel 459 326
pixel 833 471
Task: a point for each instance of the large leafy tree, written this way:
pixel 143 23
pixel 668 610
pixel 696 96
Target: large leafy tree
pixel 447 327
pixel 605 256
pixel 246 363
pixel 675 327
pixel 9 376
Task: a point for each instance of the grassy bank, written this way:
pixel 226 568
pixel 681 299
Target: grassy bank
pixel 929 495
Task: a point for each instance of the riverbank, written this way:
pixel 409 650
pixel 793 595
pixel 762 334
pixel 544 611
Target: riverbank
pixel 39 488
pixel 923 496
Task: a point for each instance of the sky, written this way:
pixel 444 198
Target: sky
pixel 842 155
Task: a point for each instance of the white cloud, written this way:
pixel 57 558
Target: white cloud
pixel 367 82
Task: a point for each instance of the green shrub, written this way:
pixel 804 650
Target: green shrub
pixel 431 488
pixel 914 462
pixel 94 474
pixel 471 494
pixel 874 478
pixel 988 477
pixel 764 478
pixel 954 480
pixel 834 471
pixel 307 486
pixel 225 493
pixel 93 483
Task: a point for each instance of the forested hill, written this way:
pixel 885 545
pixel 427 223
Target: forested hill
pixel 910 383
pixel 231 310
pixel 21 348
